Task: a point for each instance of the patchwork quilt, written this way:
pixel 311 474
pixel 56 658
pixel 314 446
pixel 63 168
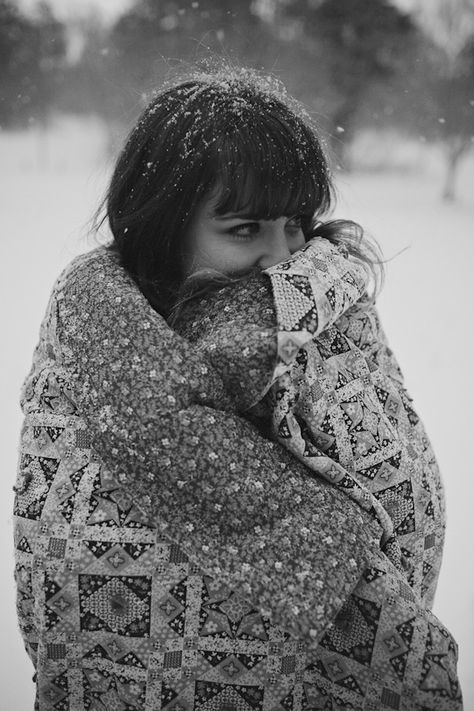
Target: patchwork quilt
pixel 182 541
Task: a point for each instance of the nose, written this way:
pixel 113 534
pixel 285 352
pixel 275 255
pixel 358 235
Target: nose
pixel 275 248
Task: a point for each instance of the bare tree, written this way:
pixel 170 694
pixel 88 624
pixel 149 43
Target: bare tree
pixel 353 45
pixel 450 26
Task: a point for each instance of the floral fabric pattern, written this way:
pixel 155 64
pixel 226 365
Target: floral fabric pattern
pixel 170 556
pixel 340 405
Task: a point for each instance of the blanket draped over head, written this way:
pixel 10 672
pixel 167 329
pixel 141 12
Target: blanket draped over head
pixel 182 538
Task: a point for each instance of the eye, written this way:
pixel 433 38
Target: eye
pixel 295 224
pixel 245 231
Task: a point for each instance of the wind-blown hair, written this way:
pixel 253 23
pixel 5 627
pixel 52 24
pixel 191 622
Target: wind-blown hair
pixel 234 133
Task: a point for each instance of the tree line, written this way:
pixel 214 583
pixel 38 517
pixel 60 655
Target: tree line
pixel 354 63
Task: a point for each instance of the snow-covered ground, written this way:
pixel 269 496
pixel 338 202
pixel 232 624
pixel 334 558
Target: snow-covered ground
pixel 49 188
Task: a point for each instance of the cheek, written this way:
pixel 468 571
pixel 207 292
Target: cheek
pixel 209 249
pixel 231 257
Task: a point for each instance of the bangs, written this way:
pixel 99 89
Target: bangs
pixel 269 168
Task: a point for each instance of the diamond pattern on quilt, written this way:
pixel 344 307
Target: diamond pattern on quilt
pixel 296 295
pixel 103 690
pixel 211 696
pixel 354 630
pixel 55 695
pixel 115 604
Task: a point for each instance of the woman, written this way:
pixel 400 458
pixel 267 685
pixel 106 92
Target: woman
pixel 169 553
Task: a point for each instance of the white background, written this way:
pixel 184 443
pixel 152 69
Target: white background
pixel 49 187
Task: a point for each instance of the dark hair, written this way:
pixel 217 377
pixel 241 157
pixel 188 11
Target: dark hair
pixel 234 131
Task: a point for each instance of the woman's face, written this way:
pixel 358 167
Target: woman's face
pixel 234 243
